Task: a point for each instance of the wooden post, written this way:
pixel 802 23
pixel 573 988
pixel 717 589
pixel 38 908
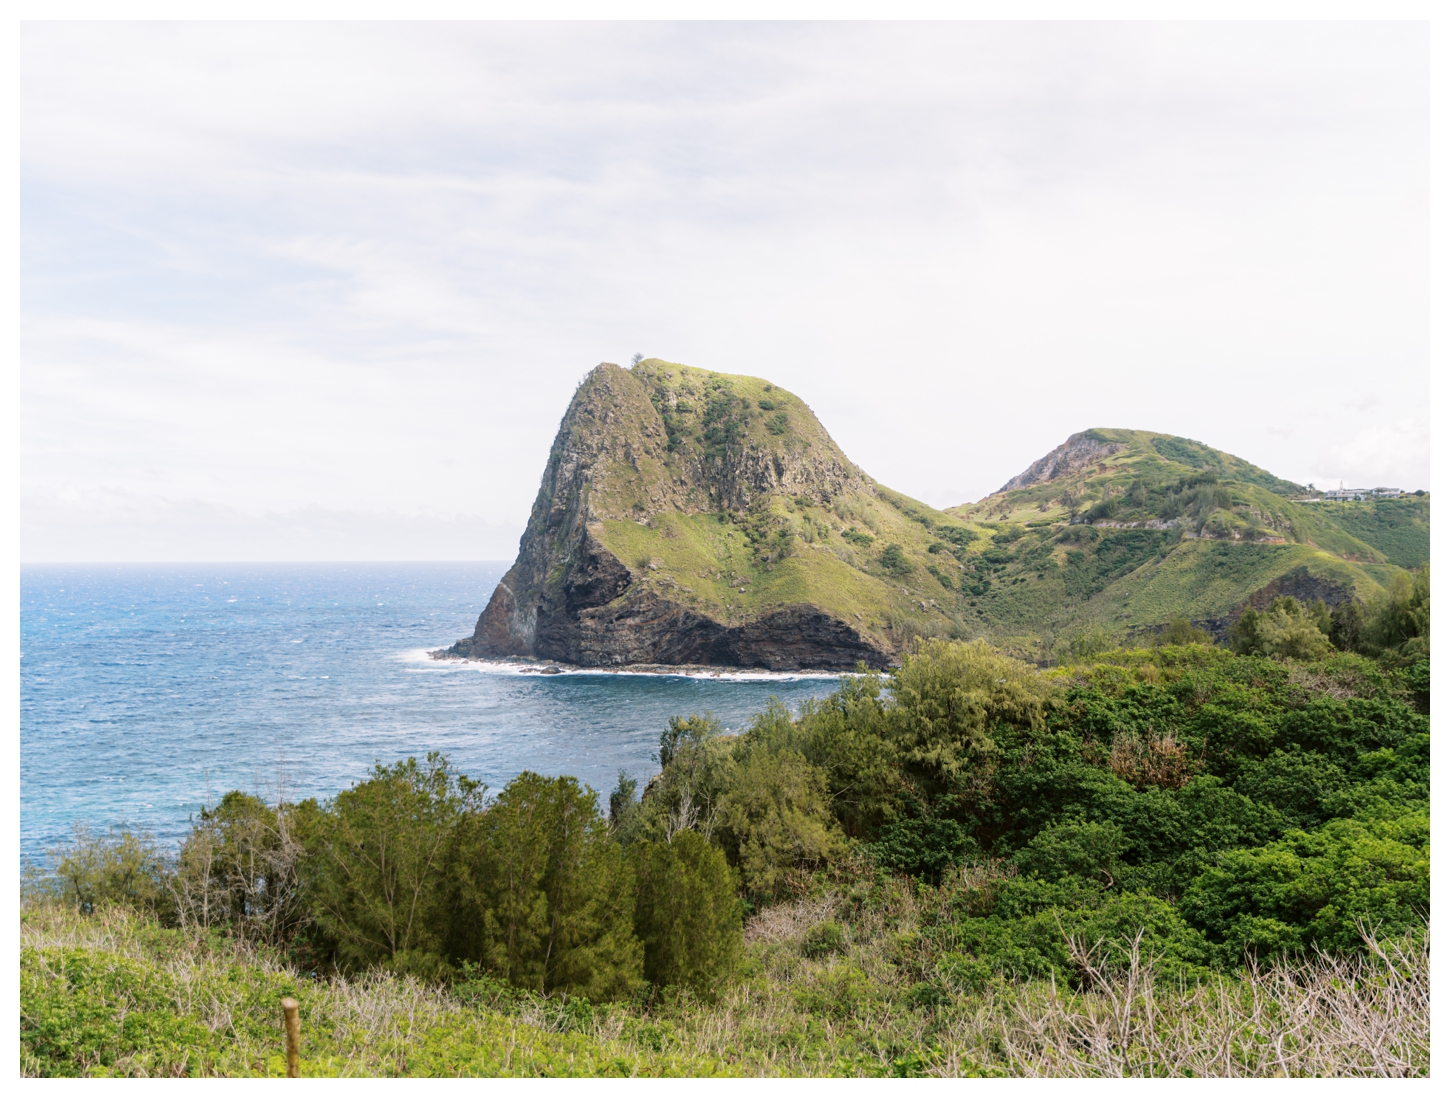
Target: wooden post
pixel 294 1036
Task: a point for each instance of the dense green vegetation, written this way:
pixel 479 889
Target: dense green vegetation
pixel 1398 528
pixel 964 826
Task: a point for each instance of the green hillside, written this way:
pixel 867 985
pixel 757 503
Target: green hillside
pixel 1129 530
pixel 1398 528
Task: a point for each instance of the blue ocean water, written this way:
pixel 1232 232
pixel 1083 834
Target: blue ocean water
pixel 147 691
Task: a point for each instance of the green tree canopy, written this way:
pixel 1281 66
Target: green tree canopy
pixel 548 894
pixel 380 872
pixel 686 913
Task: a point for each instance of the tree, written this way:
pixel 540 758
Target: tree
pixel 697 761
pixel 1347 627
pixel 1399 626
pixel 1285 630
pixel 122 866
pixel 1243 636
pixel 548 893
pixel 686 913
pixel 380 875
pixel 622 804
pixel 949 698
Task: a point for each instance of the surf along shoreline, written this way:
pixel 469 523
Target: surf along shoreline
pixel 521 665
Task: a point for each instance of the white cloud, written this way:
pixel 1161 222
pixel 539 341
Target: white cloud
pixel 360 267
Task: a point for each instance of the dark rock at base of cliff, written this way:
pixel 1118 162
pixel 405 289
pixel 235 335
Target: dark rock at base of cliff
pixel 647 629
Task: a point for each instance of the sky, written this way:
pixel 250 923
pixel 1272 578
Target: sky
pixel 323 291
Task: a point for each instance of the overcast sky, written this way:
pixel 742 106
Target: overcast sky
pixel 319 291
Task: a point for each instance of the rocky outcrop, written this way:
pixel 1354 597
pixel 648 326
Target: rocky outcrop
pixel 617 456
pixel 1300 584
pixel 1073 456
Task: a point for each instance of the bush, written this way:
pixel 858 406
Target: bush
pixel 894 560
pixel 1347 627
pixel 686 913
pixel 121 866
pixel 1091 851
pixel 950 697
pixel 1041 944
pixel 1399 626
pixel 824 939
pixel 546 895
pixel 239 868
pixel 1317 887
pixel 923 846
pixel 1180 631
pixel 1285 630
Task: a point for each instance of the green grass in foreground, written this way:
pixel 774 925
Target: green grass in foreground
pixel 115 994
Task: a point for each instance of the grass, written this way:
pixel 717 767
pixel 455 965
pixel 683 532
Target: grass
pixel 1203 579
pixel 833 561
pixel 832 985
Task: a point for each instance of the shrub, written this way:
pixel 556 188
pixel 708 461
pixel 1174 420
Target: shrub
pixel 1092 851
pixel 1180 631
pixel 239 868
pixel 949 698
pixel 1347 627
pixel 824 939
pixel 893 559
pixel 121 866
pixel 1317 887
pixel 1284 630
pixel 1399 626
pixel 923 846
pixel 686 913
pixel 1043 944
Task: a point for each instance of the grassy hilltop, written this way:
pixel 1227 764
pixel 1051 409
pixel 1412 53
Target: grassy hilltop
pixel 1129 530
pixel 717 500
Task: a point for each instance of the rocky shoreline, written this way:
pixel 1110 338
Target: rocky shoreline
pixel 529 666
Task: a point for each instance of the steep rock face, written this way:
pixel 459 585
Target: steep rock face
pixel 1079 452
pixel 618 456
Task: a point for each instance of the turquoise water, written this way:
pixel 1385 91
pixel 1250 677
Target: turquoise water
pixel 147 691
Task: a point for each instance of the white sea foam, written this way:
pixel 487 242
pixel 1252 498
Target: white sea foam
pixel 422 657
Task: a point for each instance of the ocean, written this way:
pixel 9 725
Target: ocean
pixel 148 691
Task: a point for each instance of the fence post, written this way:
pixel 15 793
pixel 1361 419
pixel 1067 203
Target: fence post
pixel 294 1036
